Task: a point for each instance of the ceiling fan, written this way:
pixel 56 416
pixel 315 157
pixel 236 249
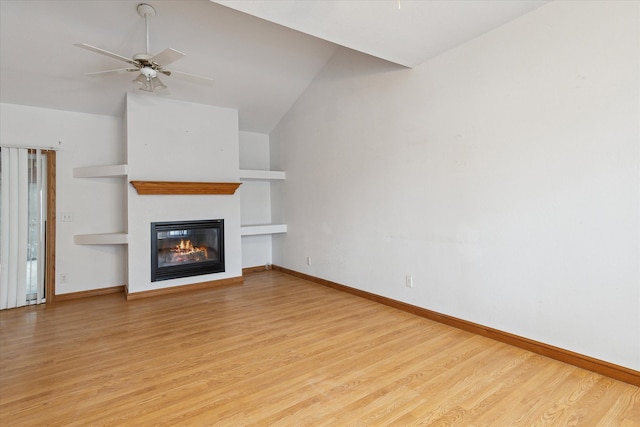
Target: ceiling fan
pixel 149 66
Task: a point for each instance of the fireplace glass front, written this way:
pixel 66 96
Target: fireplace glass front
pixel 186 248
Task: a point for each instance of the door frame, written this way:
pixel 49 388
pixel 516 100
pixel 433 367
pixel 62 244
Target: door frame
pixel 50 230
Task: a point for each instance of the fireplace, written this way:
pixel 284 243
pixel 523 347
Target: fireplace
pixel 186 248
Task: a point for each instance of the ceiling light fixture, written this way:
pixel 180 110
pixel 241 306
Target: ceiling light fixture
pixel 148 80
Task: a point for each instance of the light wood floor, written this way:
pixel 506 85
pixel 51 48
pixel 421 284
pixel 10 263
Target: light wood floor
pixel 280 351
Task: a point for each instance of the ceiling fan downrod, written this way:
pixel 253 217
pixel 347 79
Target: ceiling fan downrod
pixel 145 11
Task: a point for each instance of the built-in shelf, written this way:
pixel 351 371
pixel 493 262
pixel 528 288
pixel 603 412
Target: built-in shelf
pixel 261 174
pixel 173 188
pixel 254 230
pixel 100 171
pixel 105 171
pixel 101 239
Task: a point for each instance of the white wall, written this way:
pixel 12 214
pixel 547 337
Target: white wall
pixel 503 175
pixel 97 205
pixel 255 198
pixel 179 141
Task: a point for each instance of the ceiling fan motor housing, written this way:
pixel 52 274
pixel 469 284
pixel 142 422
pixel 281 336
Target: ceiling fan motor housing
pixel 145 60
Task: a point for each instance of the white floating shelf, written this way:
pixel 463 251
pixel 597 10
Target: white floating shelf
pixel 100 171
pixel 101 239
pixel 254 230
pixel 258 174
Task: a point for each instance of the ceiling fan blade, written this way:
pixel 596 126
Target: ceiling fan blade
pixel 119 70
pixel 167 57
pixel 191 77
pixel 107 53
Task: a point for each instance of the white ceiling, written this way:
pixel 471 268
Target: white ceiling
pixel 407 32
pixel 259 67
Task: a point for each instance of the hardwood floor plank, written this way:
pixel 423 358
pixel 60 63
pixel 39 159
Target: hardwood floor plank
pixel 279 350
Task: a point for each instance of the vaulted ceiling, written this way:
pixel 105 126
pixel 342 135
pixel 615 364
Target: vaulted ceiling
pixel 261 54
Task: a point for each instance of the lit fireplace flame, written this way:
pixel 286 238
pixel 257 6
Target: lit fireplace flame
pixel 187 248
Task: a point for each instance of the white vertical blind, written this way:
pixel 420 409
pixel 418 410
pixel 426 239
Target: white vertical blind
pixel 4 225
pixel 18 252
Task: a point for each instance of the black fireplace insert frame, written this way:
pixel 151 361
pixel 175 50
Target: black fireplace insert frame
pixel 187 269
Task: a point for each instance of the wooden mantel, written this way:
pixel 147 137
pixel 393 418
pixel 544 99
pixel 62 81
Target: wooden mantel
pixel 172 187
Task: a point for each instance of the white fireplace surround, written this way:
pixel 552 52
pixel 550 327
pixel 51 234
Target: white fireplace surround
pixel 170 140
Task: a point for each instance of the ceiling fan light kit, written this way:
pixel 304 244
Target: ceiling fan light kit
pixel 149 82
pixel 149 66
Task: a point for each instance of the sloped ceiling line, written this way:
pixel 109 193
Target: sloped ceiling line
pixel 259 68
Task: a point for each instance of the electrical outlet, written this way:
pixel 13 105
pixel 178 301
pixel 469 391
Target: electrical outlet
pixel 308 260
pixel 408 281
pixel 63 277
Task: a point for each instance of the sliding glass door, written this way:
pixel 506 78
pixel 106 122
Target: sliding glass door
pixel 23 213
pixel 36 261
